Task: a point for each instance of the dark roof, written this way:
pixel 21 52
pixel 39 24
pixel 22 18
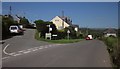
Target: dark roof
pixel 74 25
pixel 62 17
pixel 110 30
pixel 66 19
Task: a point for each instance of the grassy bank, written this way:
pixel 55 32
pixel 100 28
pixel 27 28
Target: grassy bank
pixel 113 48
pixel 56 41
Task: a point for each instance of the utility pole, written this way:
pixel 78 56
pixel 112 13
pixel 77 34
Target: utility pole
pixel 10 12
pixel 24 14
pixel 63 19
pixel 86 30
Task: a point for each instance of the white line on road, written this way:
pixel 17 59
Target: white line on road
pixel 35 50
pixel 5 49
pixel 17 54
pixel 40 48
pixel 12 53
pixel 21 51
pixel 26 52
pixel 5 57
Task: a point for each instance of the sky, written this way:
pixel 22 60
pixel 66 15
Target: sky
pixel 84 14
pixel 60 0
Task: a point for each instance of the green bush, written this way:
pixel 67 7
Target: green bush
pixel 114 50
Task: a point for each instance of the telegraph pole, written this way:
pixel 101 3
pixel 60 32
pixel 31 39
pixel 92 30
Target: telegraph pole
pixel 10 8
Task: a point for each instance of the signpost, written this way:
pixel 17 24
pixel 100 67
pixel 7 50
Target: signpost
pixel 48 35
pixel 76 30
pixel 50 29
pixel 68 32
pixel 54 36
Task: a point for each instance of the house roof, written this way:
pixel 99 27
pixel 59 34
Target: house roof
pixel 110 30
pixel 66 19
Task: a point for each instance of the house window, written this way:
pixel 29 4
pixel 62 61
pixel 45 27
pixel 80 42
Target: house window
pixel 56 20
pixel 60 27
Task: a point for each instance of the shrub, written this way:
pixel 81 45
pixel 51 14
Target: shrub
pixel 113 49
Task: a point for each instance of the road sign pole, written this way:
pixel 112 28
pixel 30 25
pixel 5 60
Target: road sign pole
pixel 68 32
pixel 68 36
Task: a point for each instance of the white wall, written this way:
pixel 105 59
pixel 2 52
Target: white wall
pixel 109 34
pixel 58 22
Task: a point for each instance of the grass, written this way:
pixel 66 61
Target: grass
pixel 113 49
pixel 56 41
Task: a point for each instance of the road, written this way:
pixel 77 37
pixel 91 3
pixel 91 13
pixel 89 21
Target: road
pixel 25 51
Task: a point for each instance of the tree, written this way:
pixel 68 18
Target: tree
pixel 24 22
pixel 72 31
pixel 42 27
pixel 7 21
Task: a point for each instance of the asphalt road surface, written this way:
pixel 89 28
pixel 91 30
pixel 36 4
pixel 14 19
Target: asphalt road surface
pixel 25 51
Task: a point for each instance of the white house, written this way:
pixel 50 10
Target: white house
pixel 110 32
pixel 61 22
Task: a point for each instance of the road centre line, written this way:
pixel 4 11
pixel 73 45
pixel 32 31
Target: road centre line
pixel 5 57
pixel 40 48
pixel 35 50
pixel 27 50
pixel 21 51
pixel 17 54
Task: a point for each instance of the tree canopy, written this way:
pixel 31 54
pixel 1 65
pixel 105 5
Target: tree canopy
pixel 42 27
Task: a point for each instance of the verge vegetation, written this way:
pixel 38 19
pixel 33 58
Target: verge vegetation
pixel 56 41
pixel 113 47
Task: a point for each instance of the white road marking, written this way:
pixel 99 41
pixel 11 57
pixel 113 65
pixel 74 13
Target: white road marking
pixel 35 50
pixel 5 49
pixel 12 53
pixel 31 49
pixel 17 54
pixel 21 51
pixel 26 52
pixel 40 48
pixel 5 57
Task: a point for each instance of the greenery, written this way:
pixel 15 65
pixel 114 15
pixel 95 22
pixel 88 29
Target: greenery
pixel 56 41
pixel 7 20
pixel 42 27
pixel 96 32
pixel 113 47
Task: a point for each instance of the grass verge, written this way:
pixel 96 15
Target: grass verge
pixel 113 48
pixel 56 41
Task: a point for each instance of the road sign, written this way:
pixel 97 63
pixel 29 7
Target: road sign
pixel 54 35
pixel 48 35
pixel 76 29
pixel 68 31
pixel 50 29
